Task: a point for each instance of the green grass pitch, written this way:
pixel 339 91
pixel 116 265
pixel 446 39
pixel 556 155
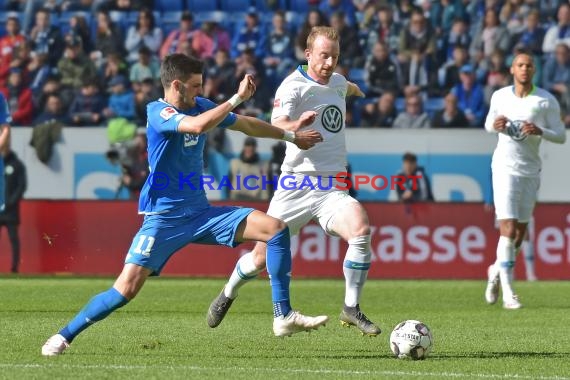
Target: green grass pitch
pixel 163 333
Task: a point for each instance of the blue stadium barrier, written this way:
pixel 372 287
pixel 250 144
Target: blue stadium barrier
pixel 357 75
pixel 432 105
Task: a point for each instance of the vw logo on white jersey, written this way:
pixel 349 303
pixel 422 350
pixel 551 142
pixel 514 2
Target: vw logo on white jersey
pixel 332 119
pixel 514 129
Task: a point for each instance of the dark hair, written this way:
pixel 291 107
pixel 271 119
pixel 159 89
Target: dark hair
pixel 410 157
pixel 179 66
pixel 148 13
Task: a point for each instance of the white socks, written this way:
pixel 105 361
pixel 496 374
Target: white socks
pixel 505 263
pixel 244 271
pixel 355 268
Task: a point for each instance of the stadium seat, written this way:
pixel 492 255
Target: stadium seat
pixel 262 5
pixel 217 16
pixel 301 6
pixel 357 108
pixel 168 5
pixel 400 104
pixel 235 5
pixel 202 5
pixel 358 76
pixel 432 105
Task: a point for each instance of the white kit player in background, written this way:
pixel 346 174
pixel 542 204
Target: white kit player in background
pixel 522 115
pixel 314 90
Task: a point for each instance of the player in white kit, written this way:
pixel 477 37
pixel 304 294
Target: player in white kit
pixel 522 115
pixel 316 91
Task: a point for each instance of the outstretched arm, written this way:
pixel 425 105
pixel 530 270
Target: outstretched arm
pixel 211 118
pixel 354 90
pixel 258 128
pixel 4 136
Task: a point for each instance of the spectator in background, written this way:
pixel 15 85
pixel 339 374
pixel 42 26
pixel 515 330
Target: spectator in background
pixel 114 66
pixel 209 39
pixel 134 165
pixel 403 10
pixel 274 165
pixel 556 77
pixel 448 75
pixel 87 106
pixel 143 33
pixel 559 32
pixel 450 116
pixel 52 86
pixel 452 14
pixel 329 7
pixel 259 103
pixel 146 93
pixel 499 80
pixel 38 71
pixel 79 29
pixel 490 37
pixel 531 36
pixel 383 73
pixel 470 96
pixel 458 37
pixel 248 164
pixel 146 67
pixel 220 77
pixel 314 18
pixel 75 67
pixel 413 116
pixel 178 38
pixel 19 98
pixel 20 59
pixel 380 114
pixel 349 43
pixel 383 29
pixel 279 50
pixel 121 101
pixel 54 111
pixel 494 66
pixel 15 183
pixel 46 38
pixel 512 15
pixel 249 36
pixel 418 37
pixel 10 41
pixel 415 190
pixel 108 40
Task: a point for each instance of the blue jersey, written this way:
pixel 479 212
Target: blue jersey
pixel 5 118
pixel 175 159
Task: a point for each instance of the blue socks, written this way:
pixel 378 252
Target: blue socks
pixel 279 269
pixel 98 308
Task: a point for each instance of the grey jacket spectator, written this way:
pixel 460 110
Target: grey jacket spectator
pixel 413 116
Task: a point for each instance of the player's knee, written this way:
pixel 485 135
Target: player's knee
pixel 277 226
pixel 259 257
pixel 360 230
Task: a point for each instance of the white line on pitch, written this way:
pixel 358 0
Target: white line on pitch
pixel 286 370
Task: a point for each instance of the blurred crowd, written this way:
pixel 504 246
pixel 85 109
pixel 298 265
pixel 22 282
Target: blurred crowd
pixel 422 64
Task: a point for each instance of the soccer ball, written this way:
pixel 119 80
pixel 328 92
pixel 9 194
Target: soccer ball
pixel 411 339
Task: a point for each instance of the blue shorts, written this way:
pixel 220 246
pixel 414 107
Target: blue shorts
pixel 161 235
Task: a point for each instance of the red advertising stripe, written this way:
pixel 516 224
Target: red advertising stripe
pixel 435 240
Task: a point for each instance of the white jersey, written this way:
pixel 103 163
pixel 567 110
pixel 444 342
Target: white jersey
pixel 517 154
pixel 299 93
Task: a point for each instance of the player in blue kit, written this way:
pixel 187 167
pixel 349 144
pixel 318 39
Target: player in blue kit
pixel 175 206
pixel 5 120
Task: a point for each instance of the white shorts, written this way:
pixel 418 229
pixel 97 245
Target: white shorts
pixel 299 206
pixel 514 196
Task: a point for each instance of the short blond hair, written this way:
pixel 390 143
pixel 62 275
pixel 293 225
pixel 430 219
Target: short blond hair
pixel 325 31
